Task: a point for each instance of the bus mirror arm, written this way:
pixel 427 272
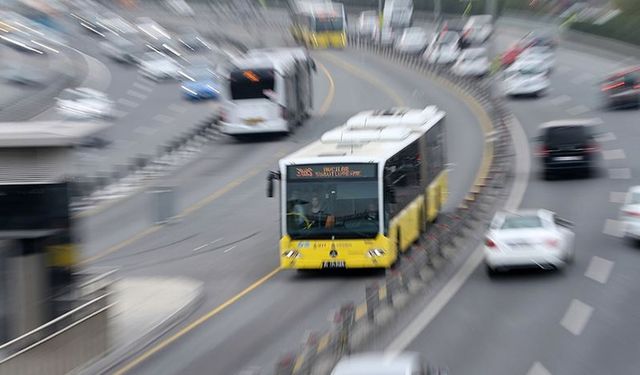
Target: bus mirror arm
pixel 270 177
pixel 389 194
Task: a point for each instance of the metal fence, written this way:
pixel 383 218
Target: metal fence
pixel 354 324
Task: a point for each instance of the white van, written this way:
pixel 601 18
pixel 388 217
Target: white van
pixel 268 91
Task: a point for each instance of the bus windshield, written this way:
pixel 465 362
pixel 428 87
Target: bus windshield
pixel 329 24
pixel 325 201
pixel 251 84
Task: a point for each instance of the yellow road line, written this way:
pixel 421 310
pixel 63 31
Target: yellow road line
pixel 360 310
pixel 367 77
pixel 164 343
pixel 326 103
pixel 323 342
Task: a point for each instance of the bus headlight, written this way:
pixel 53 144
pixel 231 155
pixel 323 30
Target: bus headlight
pixel 291 254
pixel 374 253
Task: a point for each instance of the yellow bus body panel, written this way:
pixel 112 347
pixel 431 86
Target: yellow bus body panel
pixel 325 40
pixel 310 254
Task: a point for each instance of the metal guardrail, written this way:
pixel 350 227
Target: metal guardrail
pixel 354 324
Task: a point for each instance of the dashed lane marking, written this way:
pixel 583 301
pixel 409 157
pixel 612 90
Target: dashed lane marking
pixel 560 100
pixel 599 269
pixel 618 197
pixel 606 137
pixel 163 119
pixel 616 154
pixel 620 173
pixel 576 317
pixel 137 94
pixel 128 103
pixel 142 86
pixel 229 249
pixel 538 369
pixel 578 110
pixel 613 228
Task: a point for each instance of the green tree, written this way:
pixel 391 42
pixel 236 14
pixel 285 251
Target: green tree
pixel 631 6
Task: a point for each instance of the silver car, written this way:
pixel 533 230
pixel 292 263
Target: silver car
pixel 385 364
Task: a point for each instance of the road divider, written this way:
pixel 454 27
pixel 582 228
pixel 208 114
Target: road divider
pixel 355 324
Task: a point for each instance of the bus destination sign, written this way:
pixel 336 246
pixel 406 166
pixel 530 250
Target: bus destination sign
pixel 322 171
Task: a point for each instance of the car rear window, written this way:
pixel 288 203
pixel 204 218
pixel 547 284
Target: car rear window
pixel 519 222
pixel 562 135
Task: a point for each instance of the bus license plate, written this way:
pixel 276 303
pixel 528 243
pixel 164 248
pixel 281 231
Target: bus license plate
pixel 334 264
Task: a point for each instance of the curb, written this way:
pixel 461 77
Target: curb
pixel 117 356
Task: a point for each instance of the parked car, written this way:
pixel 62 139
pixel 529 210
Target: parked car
pixel 444 48
pixel 568 146
pixel 536 238
pixel 622 89
pixel 121 49
pixel 192 41
pixel 367 24
pixel 478 28
pixel 84 103
pixel 544 55
pixel 413 40
pixel 472 62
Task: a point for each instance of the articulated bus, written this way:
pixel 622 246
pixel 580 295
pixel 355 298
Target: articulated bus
pixel 319 24
pixel 364 192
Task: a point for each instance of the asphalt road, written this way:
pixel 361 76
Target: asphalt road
pixel 229 241
pixel 582 320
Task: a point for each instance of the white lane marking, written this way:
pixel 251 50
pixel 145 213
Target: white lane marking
pixel 616 154
pixel 560 100
pixel 145 130
pixel 576 317
pixel 613 228
pixel 578 110
pixel 128 103
pixel 521 179
pixel 583 78
pixel 177 108
pixel 142 86
pixel 606 137
pixel 229 249
pixel 163 119
pixel 207 244
pixel 137 94
pixel 617 197
pixel 599 269
pixel 620 173
pixel 200 247
pixel 538 369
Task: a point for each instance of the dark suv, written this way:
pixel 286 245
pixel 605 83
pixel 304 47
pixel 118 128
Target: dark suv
pixel 622 88
pixel 567 146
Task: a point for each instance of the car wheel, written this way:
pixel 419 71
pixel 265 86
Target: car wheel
pixel 491 272
pixel 548 175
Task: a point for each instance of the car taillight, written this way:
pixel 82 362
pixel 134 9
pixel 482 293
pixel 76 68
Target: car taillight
pixel 632 213
pixel 590 148
pixel 489 243
pixel 612 86
pixel 551 242
pixel 543 151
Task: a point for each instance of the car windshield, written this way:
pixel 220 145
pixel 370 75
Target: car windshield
pixel 521 222
pixel 562 135
pixel 634 198
pixel 325 201
pixel 447 38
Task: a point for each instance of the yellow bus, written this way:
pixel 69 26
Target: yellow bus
pixel 319 24
pixel 364 192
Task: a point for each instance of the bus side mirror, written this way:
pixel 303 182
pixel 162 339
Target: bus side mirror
pixel 270 177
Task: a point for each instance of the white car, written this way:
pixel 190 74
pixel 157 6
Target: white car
pixel 543 54
pixel 368 24
pixel 472 62
pixel 630 214
pixel 478 28
pixel 526 79
pixel 84 103
pixel 386 37
pixel 413 40
pixel 387 364
pixel 158 66
pixel 444 48
pixel 528 239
